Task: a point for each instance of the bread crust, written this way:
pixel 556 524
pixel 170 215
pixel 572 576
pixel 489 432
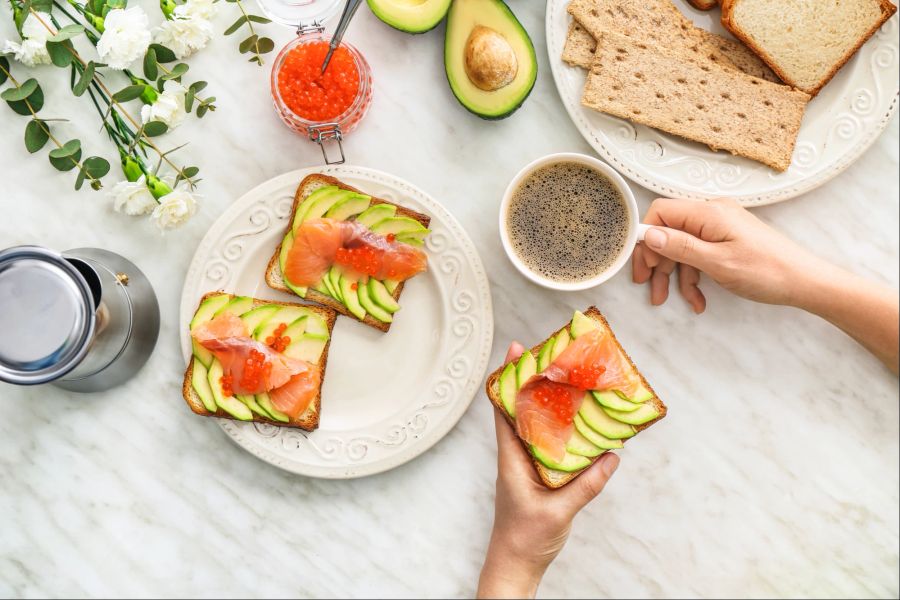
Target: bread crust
pixel 309 420
pixel 887 11
pixel 556 479
pixel 703 4
pixel 273 269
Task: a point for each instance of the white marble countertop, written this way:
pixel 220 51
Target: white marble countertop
pixel 775 473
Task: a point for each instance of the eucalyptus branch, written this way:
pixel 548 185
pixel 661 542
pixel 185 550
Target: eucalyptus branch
pixel 258 45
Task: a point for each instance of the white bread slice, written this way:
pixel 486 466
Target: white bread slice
pixel 274 277
pixel 309 420
pixel 550 477
pixel 805 41
pixel 659 23
pixel 695 99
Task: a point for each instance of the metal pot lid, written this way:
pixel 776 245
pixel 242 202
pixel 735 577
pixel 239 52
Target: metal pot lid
pixel 47 316
pixel 300 13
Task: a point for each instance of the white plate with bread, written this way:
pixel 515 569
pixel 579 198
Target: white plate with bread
pixel 680 105
pixel 386 396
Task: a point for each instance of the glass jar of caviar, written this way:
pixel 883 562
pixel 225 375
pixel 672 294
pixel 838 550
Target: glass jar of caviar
pixel 322 106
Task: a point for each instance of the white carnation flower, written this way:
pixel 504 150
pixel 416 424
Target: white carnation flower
pixel 174 210
pixel 196 9
pixel 184 36
pixel 168 108
pixel 132 197
pixel 33 49
pixel 126 36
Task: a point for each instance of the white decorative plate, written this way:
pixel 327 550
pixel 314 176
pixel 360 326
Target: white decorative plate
pixel 386 398
pixel 839 125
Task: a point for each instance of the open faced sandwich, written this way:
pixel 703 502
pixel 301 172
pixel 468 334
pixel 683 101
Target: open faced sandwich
pixel 348 250
pixel 573 397
pixel 258 360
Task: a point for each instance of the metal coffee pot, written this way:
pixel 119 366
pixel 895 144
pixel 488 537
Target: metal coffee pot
pixel 85 320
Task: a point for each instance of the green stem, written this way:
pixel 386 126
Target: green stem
pixel 240 5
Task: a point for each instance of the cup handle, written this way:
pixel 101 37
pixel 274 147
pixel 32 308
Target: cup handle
pixel 642 230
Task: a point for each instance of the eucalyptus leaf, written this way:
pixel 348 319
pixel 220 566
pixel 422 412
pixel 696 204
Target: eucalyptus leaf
pixel 163 54
pixel 129 93
pixel 201 110
pixel 247 44
pixel 67 33
pixel 68 149
pixel 38 5
pixel 66 163
pixel 79 181
pixel 96 166
pixel 87 76
pixel 155 128
pixel 151 67
pixel 259 19
pixel 190 171
pixel 20 93
pixel 189 101
pixel 4 69
pixel 236 25
pixel 265 45
pixel 177 71
pixel 61 53
pixel 197 86
pixel 34 103
pixel 36 135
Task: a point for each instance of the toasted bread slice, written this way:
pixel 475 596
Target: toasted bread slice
pixel 274 276
pixel 309 420
pixel 805 42
pixel 552 478
pixel 696 99
pixel 658 23
pixel 704 4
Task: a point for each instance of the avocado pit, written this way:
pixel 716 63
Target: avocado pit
pixel 490 61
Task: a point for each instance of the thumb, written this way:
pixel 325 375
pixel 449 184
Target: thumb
pixel 679 246
pixel 589 485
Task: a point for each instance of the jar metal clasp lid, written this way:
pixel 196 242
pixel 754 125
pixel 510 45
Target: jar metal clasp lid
pixel 314 27
pixel 324 132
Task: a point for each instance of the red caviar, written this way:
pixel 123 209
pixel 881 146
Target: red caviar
pixel 363 260
pixel 227 381
pixel 277 341
pixel 585 378
pixel 556 399
pixel 255 369
pixel 311 94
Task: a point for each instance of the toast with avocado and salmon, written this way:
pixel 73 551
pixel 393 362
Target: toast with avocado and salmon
pixel 258 360
pixel 573 397
pixel 348 250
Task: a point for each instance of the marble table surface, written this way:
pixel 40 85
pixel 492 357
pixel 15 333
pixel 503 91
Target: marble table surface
pixel 775 473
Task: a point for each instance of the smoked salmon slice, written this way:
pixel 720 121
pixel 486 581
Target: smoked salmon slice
pixel 294 397
pixel 547 403
pixel 226 336
pixel 321 243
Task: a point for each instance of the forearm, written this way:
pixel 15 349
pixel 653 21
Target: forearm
pixel 868 312
pixel 505 576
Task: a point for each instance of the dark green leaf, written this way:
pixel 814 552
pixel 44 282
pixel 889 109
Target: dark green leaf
pixel 201 110
pixel 264 45
pixel 236 25
pixel 84 81
pixel 163 54
pixel 21 92
pixel 61 53
pixel 4 69
pixel 155 128
pixel 177 71
pixel 79 181
pixel 190 172
pixel 247 44
pixel 258 19
pixel 96 184
pixel 66 163
pixel 35 135
pixel 67 149
pixel 129 93
pixel 96 166
pixel 35 100
pixel 96 6
pixel 189 101
pixel 67 33
pixel 38 5
pixel 197 86
pixel 151 68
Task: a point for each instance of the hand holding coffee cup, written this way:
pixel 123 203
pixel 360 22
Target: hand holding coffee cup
pixel 569 222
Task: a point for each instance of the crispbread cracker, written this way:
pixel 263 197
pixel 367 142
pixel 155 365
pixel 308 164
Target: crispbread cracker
pixel 695 99
pixel 309 420
pixel 579 48
pixel 274 277
pixel 550 477
pixel 659 23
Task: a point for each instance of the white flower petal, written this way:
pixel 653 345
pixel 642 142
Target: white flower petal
pixel 184 36
pixel 132 197
pixel 174 210
pixel 125 38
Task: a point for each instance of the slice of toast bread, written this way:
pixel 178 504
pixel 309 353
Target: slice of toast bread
pixel 696 100
pixel 552 478
pixel 704 4
pixel 309 420
pixel 806 42
pixel 659 23
pixel 274 276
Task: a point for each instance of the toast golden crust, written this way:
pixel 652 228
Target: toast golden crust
pixel 556 479
pixel 273 269
pixel 887 11
pixel 309 420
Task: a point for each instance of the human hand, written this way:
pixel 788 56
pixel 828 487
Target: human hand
pixel 531 521
pixel 728 243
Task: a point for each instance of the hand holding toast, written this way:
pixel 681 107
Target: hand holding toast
pixel 748 257
pixel 531 522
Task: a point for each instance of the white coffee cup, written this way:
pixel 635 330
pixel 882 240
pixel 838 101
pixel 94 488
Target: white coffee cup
pixel 636 229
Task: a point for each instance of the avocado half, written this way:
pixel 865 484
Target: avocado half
pixel 411 16
pixel 489 58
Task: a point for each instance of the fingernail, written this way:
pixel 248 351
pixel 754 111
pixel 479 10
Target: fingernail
pixel 610 464
pixel 655 238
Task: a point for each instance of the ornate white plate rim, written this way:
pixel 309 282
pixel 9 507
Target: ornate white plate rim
pixel 441 218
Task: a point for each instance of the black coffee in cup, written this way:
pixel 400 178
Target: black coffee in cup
pixel 568 222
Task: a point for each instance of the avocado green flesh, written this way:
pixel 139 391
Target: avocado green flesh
pixel 614 401
pixel 644 414
pixel 379 294
pixel 208 308
pixel 229 404
pixel 347 207
pixel 375 213
pixel 580 445
pixel 508 389
pixel 601 441
pixel 559 344
pixel 410 16
pixel 266 403
pixel 569 464
pixel 351 298
pixel 526 368
pixel 543 360
pixel 200 382
pixel 597 419
pixel 463 17
pixel 366 301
